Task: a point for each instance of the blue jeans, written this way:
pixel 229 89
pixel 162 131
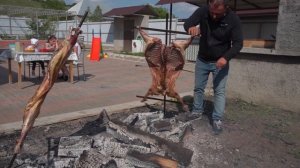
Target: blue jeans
pixel 202 71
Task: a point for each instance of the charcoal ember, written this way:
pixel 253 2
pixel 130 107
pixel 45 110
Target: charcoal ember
pixel 41 161
pixel 130 118
pixel 177 133
pixel 160 126
pixel 151 160
pixel 169 129
pixel 142 125
pixel 52 150
pixel 109 147
pixel 185 117
pixel 19 162
pixel 93 158
pixel 73 146
pixel 141 163
pixel 63 162
pixel 155 117
pixel 126 135
pixel 4 153
pixel 119 135
pixel 121 162
pixel 110 164
pixel 176 151
pixel 142 120
pixel 99 139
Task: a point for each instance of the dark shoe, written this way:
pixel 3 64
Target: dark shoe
pixel 217 127
pixel 66 78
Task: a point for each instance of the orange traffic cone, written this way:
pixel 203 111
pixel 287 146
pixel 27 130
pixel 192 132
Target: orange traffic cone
pixel 96 49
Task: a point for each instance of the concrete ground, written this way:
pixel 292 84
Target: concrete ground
pixel 113 80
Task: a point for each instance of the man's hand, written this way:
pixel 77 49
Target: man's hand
pixel 194 31
pixel 221 63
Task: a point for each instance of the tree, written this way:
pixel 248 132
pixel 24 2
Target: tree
pixel 42 28
pixel 161 12
pixel 96 16
pixel 54 4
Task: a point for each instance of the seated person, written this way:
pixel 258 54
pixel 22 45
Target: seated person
pixel 34 47
pixel 77 51
pixel 52 45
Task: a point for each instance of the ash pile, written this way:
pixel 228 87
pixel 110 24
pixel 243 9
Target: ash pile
pixel 145 140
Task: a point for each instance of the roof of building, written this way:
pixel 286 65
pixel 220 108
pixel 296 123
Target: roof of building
pixel 131 10
pixel 240 4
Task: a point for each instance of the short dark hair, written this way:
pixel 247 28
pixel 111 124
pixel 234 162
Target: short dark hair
pixel 225 2
pixel 33 36
pixel 51 37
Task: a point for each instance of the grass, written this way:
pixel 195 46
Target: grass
pixel 241 110
pixel 275 124
pixel 27 3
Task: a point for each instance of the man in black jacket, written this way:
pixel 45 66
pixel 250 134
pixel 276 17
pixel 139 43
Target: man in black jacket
pixel 221 39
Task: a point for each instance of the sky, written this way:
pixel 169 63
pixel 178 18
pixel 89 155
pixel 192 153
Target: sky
pixel 180 10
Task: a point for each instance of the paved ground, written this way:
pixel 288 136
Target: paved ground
pixel 111 81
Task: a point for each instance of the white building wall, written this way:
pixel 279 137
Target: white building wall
pixel 253 28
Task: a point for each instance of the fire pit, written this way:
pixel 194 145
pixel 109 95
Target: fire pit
pixel 149 140
pixel 134 139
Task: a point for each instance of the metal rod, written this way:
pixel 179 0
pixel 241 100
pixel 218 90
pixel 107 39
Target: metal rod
pixel 162 30
pixel 153 98
pixel 252 4
pixel 171 14
pixel 66 22
pixel 83 18
pixel 165 99
pixel 37 25
pixel 166 39
pixel 166 35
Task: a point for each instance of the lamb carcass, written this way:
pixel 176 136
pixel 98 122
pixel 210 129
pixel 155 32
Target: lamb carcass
pixel 153 55
pixel 165 65
pixel 34 105
pixel 174 58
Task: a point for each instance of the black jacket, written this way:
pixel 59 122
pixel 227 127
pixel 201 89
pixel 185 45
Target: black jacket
pixel 222 38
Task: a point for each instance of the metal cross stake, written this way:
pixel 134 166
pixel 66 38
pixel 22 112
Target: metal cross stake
pixel 167 31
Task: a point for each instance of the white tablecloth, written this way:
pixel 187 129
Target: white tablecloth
pixel 39 56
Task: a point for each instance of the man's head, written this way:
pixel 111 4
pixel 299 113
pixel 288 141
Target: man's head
pixel 217 8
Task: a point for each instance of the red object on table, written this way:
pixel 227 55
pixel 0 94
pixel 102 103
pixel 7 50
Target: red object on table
pixel 44 50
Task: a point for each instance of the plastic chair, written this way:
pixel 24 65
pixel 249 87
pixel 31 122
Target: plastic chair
pixel 80 62
pixel 30 64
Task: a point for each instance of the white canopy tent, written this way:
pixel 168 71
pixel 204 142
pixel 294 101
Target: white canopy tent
pixel 80 8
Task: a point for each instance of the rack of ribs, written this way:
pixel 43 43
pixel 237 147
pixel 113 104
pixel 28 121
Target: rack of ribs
pixel 165 63
pixel 153 52
pixel 174 63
